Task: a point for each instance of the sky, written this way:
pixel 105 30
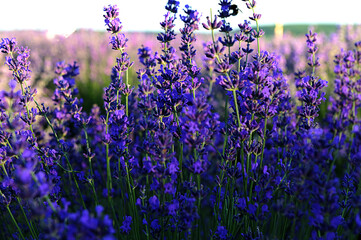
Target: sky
pixel 64 17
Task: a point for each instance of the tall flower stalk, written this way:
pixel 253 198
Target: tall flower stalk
pixel 226 151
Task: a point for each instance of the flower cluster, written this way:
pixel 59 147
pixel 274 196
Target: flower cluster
pixel 221 149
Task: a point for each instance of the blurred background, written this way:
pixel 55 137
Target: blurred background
pixel 74 31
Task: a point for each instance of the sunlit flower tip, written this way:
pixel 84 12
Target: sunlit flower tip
pixel 172 6
pixel 123 63
pixel 255 17
pixel 245 27
pixel 311 36
pixel 223 67
pixel 237 55
pixel 212 25
pixel 111 12
pixel 226 27
pixel 114 26
pixel 207 25
pixel 213 52
pixel 358 45
pixel 227 41
pixel 118 42
pixel 226 7
pixel 258 34
pixel 250 4
pixel 8 45
pixel 191 18
pixel 240 37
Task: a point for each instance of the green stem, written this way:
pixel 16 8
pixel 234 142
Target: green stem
pixel 91 181
pixel 26 219
pixel 109 174
pixel 226 121
pixel 239 60
pixel 22 209
pixel 313 63
pixel 343 211
pixel 146 226
pixel 75 181
pixel 243 170
pixel 180 146
pixel 199 205
pixel 115 219
pixel 132 201
pixel 257 27
pixel 210 85
pixel 251 188
pixel 193 91
pixel 28 112
pixel 126 96
pixel 212 31
pixel 65 154
pixel 33 134
pixel 47 199
pixel 88 150
pixel 15 223
pixel 236 106
pixel 264 141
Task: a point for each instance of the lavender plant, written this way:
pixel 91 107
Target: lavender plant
pixel 218 149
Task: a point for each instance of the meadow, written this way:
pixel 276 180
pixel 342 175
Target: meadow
pixel 237 133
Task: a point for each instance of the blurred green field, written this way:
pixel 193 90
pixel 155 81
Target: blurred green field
pixel 301 29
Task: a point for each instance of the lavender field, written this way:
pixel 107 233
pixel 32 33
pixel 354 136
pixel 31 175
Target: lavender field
pixel 181 134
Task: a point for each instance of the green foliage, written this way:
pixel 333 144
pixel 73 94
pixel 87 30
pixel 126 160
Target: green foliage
pixel 301 29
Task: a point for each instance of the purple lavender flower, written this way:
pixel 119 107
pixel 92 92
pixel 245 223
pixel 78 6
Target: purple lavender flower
pixel 221 233
pixel 189 160
pixel 8 46
pixel 227 9
pixel 310 87
pixel 81 224
pixel 111 19
pixel 154 203
pixel 172 6
pixel 215 24
pixel 125 228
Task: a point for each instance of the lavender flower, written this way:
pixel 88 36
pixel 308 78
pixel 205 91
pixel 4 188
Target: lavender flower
pixel 175 156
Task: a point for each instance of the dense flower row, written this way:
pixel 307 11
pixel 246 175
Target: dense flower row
pixel 91 51
pixel 221 150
